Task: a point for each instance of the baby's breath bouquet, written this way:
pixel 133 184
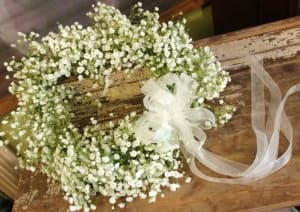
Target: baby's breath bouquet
pixel 116 162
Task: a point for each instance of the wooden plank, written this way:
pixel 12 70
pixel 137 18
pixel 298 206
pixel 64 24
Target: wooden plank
pixel 7 104
pixel 273 41
pixel 235 140
pixel 9 177
pixel 277 26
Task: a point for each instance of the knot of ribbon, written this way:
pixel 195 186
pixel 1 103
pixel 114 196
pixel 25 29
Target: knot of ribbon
pixel 169 119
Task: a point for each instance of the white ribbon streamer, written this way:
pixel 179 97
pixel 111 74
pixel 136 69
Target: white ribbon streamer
pixel 170 119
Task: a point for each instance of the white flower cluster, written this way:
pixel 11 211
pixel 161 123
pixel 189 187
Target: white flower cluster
pixel 112 163
pixel 116 165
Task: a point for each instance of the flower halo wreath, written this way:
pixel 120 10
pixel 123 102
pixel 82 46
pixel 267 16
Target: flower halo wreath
pixel 137 156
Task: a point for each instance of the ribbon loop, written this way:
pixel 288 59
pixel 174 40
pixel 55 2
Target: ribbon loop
pixel 169 116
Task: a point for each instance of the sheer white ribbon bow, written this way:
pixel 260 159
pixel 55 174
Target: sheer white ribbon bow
pixel 170 120
pixel 169 117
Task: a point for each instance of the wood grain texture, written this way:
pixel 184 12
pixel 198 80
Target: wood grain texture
pixel 9 177
pixel 235 140
pixel 273 41
pixel 7 104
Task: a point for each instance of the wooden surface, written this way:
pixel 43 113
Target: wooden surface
pixel 9 177
pixel 7 104
pixel 279 44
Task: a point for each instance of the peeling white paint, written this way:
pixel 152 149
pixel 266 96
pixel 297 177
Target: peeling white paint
pixel 272 46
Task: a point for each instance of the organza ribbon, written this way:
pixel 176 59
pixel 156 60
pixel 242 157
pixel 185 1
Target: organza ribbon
pixel 170 120
pixel 170 117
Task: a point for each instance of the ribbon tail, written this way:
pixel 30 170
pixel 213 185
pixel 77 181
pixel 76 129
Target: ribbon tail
pixel 214 162
pixel 266 161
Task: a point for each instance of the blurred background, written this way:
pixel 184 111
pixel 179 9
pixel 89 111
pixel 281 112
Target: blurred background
pixel 204 18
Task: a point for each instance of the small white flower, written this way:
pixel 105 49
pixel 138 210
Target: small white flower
pixel 112 200
pixel 93 207
pixel 73 208
pixel 155 157
pixel 116 156
pixel 121 205
pixel 4 122
pixel 129 199
pixel 80 77
pixel 105 159
pixel 200 100
pixel 133 153
pixel 188 180
pixel 174 186
pixel 152 193
pixel 143 196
